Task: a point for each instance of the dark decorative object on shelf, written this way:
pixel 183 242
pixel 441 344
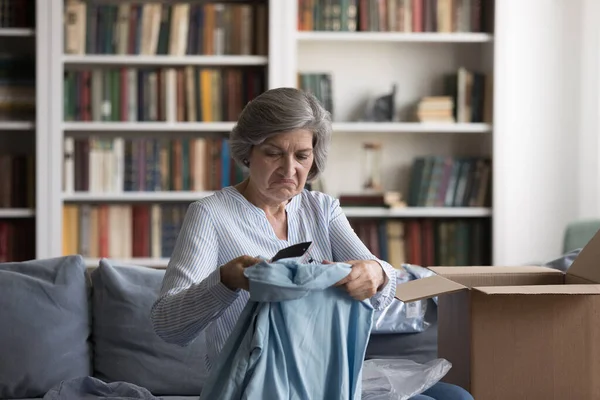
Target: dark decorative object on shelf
pixel 382 109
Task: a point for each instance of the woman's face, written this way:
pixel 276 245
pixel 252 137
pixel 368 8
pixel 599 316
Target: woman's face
pixel 279 166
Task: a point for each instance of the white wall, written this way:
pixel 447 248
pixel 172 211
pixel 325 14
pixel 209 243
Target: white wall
pixel 589 144
pixel 537 103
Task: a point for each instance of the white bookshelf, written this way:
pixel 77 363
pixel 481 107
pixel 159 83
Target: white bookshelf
pixel 530 208
pixel 16 212
pixel 393 37
pixel 163 60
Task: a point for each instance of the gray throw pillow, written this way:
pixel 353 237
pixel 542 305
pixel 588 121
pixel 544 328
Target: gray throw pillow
pixel 44 325
pixel 126 348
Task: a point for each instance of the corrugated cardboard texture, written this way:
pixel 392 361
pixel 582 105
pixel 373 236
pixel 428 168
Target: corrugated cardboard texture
pixel 587 263
pixel 535 347
pixel 501 276
pixel 426 288
pixel 543 289
pixel 454 336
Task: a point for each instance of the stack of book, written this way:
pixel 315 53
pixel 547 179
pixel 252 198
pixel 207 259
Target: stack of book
pixel 436 109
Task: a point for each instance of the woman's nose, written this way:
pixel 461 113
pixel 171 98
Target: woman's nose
pixel 288 168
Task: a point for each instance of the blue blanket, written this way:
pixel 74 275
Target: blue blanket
pixel 297 338
pixel 91 388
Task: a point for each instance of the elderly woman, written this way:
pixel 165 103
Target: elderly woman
pixel 282 137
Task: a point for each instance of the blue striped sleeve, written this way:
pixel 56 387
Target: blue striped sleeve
pixel 192 294
pixel 346 245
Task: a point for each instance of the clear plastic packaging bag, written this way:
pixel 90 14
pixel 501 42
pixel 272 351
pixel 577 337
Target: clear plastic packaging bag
pixel 399 379
pixel 400 317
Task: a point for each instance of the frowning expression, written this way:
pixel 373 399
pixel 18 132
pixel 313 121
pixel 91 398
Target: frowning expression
pixel 280 165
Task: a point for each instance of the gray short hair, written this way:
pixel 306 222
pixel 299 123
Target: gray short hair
pixel 281 110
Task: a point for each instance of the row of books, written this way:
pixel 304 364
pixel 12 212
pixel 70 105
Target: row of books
pixel 187 94
pixel 151 230
pixel 17 181
pixel 394 15
pixel 122 230
pixel 17 240
pixel 113 165
pixel 319 84
pixel 179 28
pixel 427 242
pixel 438 181
pixel 17 87
pixel 471 93
pixel 17 13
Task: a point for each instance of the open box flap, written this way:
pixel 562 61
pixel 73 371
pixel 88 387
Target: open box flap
pixel 587 263
pixel 426 288
pixel 541 289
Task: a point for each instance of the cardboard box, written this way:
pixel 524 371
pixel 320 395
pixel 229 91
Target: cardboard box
pixel 519 332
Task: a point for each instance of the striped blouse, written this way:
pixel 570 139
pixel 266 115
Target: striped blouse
pixel 224 226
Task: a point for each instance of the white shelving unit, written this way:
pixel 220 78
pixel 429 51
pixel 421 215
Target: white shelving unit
pixel 530 209
pixel 57 129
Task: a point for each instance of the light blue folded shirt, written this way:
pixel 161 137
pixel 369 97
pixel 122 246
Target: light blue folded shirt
pixel 298 337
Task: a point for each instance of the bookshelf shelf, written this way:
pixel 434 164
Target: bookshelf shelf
pixel 143 262
pixel 127 197
pixel 88 127
pixel 17 32
pixel 16 126
pixel 409 127
pixel 16 213
pixel 417 212
pixel 224 60
pixel 314 36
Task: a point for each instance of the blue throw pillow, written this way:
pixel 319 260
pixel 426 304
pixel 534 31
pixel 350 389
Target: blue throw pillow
pixel 44 325
pixel 126 348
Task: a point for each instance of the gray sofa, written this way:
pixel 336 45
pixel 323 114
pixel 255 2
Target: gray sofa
pixel 60 321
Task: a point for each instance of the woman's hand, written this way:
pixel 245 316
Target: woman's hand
pixel 232 273
pixel 364 280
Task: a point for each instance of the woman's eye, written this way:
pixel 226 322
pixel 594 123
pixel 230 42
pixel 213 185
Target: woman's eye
pixel 303 157
pixel 272 154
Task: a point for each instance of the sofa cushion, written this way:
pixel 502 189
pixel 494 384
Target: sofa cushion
pixel 44 325
pixel 126 347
